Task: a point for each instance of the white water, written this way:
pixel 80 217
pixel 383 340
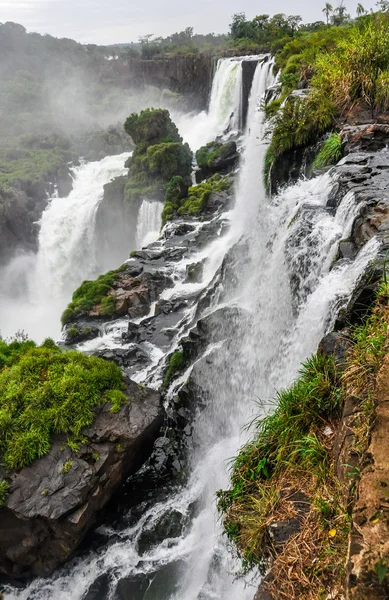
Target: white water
pixel 293 233
pixel 224 115
pixel 66 256
pixel 149 222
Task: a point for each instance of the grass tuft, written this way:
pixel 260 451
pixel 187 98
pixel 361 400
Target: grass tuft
pixel 330 153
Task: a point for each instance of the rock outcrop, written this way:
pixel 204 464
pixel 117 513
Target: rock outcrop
pixel 189 75
pixel 55 501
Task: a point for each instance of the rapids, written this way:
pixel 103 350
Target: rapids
pixel 277 326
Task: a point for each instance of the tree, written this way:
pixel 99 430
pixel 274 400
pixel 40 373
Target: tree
pixel 360 10
pixel 383 5
pixel 340 14
pixel 327 10
pixel 239 25
pixel 294 22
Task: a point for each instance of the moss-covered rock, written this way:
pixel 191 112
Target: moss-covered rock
pixel 159 155
pixel 92 293
pixel 45 391
pixel 197 198
pixel 217 156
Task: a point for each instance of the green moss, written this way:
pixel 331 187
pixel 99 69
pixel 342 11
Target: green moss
pixel 66 467
pixel 330 153
pixel 170 159
pixel 195 200
pixel 159 155
pixel 176 364
pixel 207 156
pixel 4 490
pixel 45 391
pixel 72 332
pixel 93 293
pixel 151 126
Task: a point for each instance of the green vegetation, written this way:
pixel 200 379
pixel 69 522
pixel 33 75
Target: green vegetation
pixel 207 156
pixel 90 294
pixel 346 69
pixel 66 467
pixel 293 449
pixel 176 364
pixel 159 154
pixel 196 198
pixel 4 489
pixel 45 391
pixel 330 153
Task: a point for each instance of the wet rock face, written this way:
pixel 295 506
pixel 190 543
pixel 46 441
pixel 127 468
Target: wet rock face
pixel 190 75
pixel 365 138
pixel 55 501
pixel 18 215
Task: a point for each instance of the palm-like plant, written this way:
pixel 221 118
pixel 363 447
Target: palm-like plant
pixel 360 10
pixel 327 10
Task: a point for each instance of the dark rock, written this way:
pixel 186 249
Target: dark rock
pixel 132 334
pixel 170 525
pixel 164 584
pixel 336 344
pixel 366 138
pixel 99 589
pixel 80 332
pixel 347 250
pixel 190 75
pixel 133 587
pixel 49 510
pixel 194 272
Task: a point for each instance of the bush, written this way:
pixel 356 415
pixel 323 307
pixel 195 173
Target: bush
pixel 152 126
pixel 45 391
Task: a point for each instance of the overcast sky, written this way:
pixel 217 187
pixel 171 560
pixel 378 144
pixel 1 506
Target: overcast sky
pixel 110 21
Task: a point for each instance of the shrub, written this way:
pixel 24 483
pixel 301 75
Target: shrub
pixel 45 391
pixel 159 154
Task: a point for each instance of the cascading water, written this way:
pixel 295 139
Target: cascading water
pixel 283 307
pixel 149 222
pixel 66 255
pixel 224 115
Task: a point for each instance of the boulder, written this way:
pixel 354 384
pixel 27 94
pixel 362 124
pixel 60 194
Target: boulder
pixel 55 501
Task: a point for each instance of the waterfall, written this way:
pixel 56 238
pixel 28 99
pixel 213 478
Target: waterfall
pixel 225 107
pixel 149 222
pixel 288 294
pixel 65 257
pixel 224 115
